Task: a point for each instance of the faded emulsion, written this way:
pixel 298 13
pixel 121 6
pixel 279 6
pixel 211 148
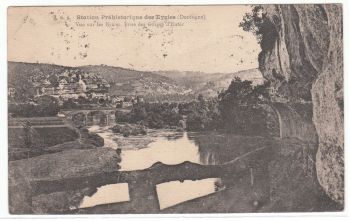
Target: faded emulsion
pixel 174 109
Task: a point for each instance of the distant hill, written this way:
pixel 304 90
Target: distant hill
pixel 20 75
pixel 209 84
pixel 122 81
pixel 132 82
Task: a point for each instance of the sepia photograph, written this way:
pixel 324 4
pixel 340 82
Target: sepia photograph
pixel 175 109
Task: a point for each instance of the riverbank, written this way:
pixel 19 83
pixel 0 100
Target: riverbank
pixel 81 155
pixel 56 166
pixel 52 143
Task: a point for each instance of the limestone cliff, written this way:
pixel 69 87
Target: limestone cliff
pixel 302 57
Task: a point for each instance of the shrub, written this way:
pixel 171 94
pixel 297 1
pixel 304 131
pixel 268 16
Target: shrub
pixel 23 110
pixel 128 130
pixel 47 106
pixel 79 120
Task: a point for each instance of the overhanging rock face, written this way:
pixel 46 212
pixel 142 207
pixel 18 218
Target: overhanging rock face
pixel 303 59
pixel 327 96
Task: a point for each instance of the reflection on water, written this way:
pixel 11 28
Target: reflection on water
pixel 168 151
pixel 175 192
pixel 168 147
pixel 112 193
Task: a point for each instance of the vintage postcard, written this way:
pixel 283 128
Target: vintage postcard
pixel 175 109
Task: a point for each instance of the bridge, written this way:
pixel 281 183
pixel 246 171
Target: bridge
pixel 88 117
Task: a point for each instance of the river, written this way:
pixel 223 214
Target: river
pixel 239 186
pixel 166 146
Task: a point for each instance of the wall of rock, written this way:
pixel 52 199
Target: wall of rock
pixel 302 57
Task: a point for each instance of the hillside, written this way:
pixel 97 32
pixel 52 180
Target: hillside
pixel 20 75
pixel 122 81
pixel 209 84
pixel 133 82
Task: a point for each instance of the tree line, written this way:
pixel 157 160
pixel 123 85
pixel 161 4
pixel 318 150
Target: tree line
pixel 239 109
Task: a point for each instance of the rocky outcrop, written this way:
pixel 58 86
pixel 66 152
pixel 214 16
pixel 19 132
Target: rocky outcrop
pixel 327 96
pixel 302 57
pixel 293 48
pixel 62 165
pixel 292 125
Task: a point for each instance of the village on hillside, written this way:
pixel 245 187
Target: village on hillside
pixel 77 86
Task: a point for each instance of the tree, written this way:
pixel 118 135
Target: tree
pixel 139 112
pixel 259 24
pixel 22 110
pixel 127 99
pixel 240 107
pixel 47 106
pixel 24 87
pixel 200 98
pixel 53 79
pixel 82 100
pixel 79 120
pixel 253 21
pixel 69 104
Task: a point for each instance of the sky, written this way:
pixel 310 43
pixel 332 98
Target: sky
pixel 76 36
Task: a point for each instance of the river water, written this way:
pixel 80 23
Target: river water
pixel 166 146
pixel 206 148
pixel 169 150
